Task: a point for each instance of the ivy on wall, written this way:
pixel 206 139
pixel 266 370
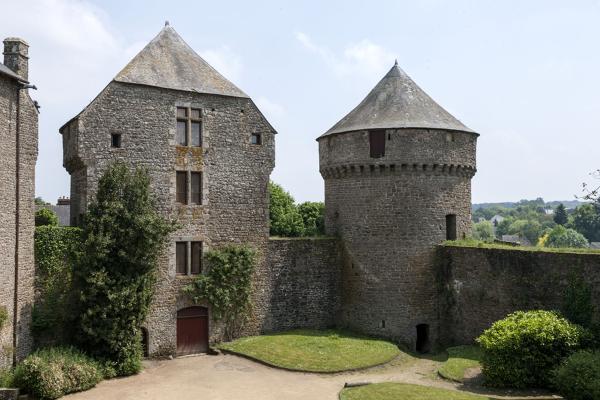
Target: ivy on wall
pixel 55 254
pixel 3 316
pixel 226 286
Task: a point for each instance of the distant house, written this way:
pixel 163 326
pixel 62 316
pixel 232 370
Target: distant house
pixel 62 209
pixel 549 211
pixel 595 245
pixel 516 239
pixel 496 219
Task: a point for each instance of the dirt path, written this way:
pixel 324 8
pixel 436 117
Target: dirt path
pixel 227 377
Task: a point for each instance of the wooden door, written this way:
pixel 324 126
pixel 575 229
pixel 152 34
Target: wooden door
pixel 192 330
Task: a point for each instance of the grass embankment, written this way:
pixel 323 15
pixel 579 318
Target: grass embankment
pixel 486 245
pixel 460 359
pixel 315 351
pixel 404 391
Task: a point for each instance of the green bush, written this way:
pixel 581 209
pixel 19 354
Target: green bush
pixel 566 237
pixel 45 216
pixel 578 377
pixel 123 236
pixel 56 250
pixel 522 349
pixel 53 372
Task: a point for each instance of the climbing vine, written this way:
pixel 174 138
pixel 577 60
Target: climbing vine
pixel 3 316
pixel 226 286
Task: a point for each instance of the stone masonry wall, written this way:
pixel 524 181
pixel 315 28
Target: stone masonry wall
pixel 479 286
pixel 303 279
pixel 389 213
pixel 235 179
pixel 9 212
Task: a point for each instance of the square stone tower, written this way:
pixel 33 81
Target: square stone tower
pixel 18 155
pixel 209 151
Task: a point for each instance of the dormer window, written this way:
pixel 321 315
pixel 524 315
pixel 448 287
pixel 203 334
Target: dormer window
pixel 377 143
pixel 189 127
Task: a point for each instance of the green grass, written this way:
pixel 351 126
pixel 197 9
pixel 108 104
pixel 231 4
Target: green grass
pixel 460 358
pixel 485 245
pixel 315 351
pixel 404 391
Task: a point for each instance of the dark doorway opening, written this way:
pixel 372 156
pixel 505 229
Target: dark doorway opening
pixel 451 227
pixel 377 143
pixel 145 351
pixel 423 338
pixel 192 330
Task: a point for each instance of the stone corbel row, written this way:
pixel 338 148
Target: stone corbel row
pixel 340 171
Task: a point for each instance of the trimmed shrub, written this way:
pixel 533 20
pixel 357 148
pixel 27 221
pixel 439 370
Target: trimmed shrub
pixel 578 378
pixel 522 349
pixel 45 216
pixel 53 372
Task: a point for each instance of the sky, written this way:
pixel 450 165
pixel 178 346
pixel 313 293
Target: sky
pixel 523 74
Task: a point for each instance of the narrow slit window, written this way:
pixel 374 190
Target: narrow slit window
pixel 182 133
pixel 182 185
pixel 181 258
pixel 451 227
pixel 196 187
pixel 196 134
pixel 422 338
pixel 377 143
pixel 115 140
pixel 196 258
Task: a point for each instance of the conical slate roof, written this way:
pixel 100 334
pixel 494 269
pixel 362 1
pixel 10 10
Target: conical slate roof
pixel 397 102
pixel 168 62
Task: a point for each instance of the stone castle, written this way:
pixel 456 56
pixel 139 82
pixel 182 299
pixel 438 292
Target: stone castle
pixel 397 173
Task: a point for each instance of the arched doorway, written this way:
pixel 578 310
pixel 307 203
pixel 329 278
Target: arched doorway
pixel 144 333
pixel 192 330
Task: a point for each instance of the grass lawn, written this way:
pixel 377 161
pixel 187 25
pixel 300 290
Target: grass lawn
pixel 315 351
pixel 460 358
pixel 404 391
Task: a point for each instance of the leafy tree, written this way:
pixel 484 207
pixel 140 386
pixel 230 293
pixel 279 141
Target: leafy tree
pixel 586 220
pixel 45 216
pixel 566 237
pixel 123 236
pixel 227 286
pixel 527 228
pixel 284 216
pixel 484 230
pixel 41 202
pixel 313 218
pixel 560 215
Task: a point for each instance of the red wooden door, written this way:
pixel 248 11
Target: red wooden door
pixel 192 330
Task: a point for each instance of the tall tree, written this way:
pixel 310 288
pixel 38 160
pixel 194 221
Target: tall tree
pixel 586 220
pixel 560 215
pixel 284 216
pixel 123 237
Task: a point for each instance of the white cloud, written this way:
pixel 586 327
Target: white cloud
pixel 363 58
pixel 224 60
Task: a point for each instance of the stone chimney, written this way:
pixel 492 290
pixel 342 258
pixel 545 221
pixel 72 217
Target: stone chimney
pixel 63 201
pixel 16 56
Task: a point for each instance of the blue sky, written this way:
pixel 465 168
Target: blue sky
pixel 524 74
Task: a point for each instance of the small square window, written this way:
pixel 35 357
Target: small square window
pixel 115 140
pixel 255 138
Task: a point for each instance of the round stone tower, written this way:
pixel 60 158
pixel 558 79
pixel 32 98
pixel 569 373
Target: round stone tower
pixel 397 173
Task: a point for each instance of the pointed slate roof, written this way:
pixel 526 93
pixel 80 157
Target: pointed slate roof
pixel 397 102
pixel 168 62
